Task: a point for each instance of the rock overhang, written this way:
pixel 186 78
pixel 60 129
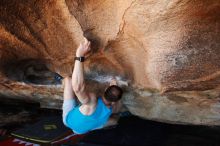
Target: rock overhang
pixel 167 52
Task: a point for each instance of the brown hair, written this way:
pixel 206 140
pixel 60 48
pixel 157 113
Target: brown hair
pixel 113 93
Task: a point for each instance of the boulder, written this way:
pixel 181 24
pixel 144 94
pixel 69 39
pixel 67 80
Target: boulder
pixel 165 54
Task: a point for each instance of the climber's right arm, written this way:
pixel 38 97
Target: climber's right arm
pixel 78 81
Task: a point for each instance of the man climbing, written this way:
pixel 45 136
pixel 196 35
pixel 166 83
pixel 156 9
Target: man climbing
pixel 93 112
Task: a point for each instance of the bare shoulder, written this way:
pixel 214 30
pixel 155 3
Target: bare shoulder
pixel 92 97
pixel 89 107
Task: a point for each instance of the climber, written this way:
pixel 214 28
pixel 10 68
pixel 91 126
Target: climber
pixel 92 112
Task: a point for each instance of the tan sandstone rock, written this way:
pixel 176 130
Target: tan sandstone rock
pixel 165 54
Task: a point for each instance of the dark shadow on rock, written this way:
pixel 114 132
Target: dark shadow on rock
pixel 32 71
pixel 95 40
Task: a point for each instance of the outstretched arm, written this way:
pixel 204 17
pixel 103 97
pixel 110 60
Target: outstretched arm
pixel 68 90
pixel 78 82
pixel 68 102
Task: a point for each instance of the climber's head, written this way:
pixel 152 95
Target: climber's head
pixel 112 94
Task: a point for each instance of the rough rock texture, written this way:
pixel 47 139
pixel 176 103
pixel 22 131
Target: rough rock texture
pixel 166 51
